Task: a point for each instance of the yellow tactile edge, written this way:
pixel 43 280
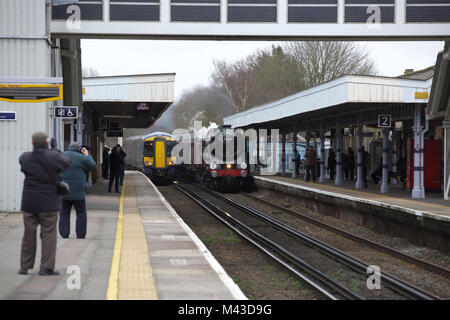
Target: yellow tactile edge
pixel 131 275
pixel 112 292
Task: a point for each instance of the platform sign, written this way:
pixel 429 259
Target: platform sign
pixel 143 107
pixel 8 115
pixel 114 133
pixel 66 112
pixel 384 121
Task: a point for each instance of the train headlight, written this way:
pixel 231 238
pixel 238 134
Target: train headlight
pixel 243 165
pixel 243 173
pixel 147 163
pixel 213 166
pixel 229 166
pixel 214 174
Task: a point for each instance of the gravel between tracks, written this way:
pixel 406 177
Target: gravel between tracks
pixel 258 276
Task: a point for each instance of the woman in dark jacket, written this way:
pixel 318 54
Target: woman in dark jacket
pixel 81 164
pixel 114 168
pixel 40 202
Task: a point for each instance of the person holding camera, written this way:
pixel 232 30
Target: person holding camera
pixel 40 202
pixel 75 176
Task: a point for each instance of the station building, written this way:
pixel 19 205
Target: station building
pixel 39 74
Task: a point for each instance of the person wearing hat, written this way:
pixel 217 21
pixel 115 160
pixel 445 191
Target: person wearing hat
pixel 75 176
pixel 40 203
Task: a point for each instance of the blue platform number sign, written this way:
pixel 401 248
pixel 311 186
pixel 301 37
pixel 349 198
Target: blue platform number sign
pixel 384 121
pixel 8 115
pixel 66 112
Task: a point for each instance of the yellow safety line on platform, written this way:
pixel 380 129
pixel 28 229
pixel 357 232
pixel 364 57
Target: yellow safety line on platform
pixel 113 284
pixel 136 275
pixel 131 275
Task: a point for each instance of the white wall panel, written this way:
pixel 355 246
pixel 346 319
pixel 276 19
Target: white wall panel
pixel 24 52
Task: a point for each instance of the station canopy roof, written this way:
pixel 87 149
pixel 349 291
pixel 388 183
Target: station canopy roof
pixel 345 95
pixel 440 93
pixel 136 101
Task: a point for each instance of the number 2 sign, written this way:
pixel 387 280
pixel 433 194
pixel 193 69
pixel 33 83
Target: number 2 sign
pixel 384 121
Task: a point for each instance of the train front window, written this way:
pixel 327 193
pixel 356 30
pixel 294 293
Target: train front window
pixel 169 147
pixel 148 149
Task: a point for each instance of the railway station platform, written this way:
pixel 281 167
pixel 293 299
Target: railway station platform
pixel 423 221
pixel 136 248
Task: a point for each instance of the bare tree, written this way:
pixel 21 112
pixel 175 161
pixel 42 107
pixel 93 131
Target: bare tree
pixel 237 79
pixel 206 104
pixel 321 61
pixel 276 76
pixel 268 75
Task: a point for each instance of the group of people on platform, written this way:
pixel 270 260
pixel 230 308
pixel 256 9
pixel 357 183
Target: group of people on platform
pixel 114 165
pixel 312 166
pixel 54 183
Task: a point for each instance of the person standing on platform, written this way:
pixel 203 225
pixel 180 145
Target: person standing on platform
pixel 105 164
pixel 114 168
pixel 351 163
pixel 296 161
pixel 331 163
pixel 41 203
pixel 310 163
pixel 345 165
pixel 123 155
pixel 88 181
pixel 377 174
pixel 75 176
pixel 400 175
pixel 365 164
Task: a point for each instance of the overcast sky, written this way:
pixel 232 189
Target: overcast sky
pixel 192 61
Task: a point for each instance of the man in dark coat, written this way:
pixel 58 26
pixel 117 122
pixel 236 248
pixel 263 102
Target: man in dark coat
pixel 331 163
pixel 123 155
pixel 40 203
pixel 75 176
pixel 351 163
pixel 105 165
pixel 114 168
pixel 310 163
pixel 365 165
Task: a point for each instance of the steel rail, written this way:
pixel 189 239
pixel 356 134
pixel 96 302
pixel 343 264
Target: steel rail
pixel 396 284
pixel 253 237
pixel 400 255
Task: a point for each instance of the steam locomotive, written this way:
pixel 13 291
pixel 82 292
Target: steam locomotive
pixel 219 166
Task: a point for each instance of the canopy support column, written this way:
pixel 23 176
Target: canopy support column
pixel 339 149
pixel 359 158
pixel 322 154
pixel 385 164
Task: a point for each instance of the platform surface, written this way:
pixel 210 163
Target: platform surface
pixel 433 206
pixel 136 247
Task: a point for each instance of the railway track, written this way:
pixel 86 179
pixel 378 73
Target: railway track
pixel 439 270
pixel 285 254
